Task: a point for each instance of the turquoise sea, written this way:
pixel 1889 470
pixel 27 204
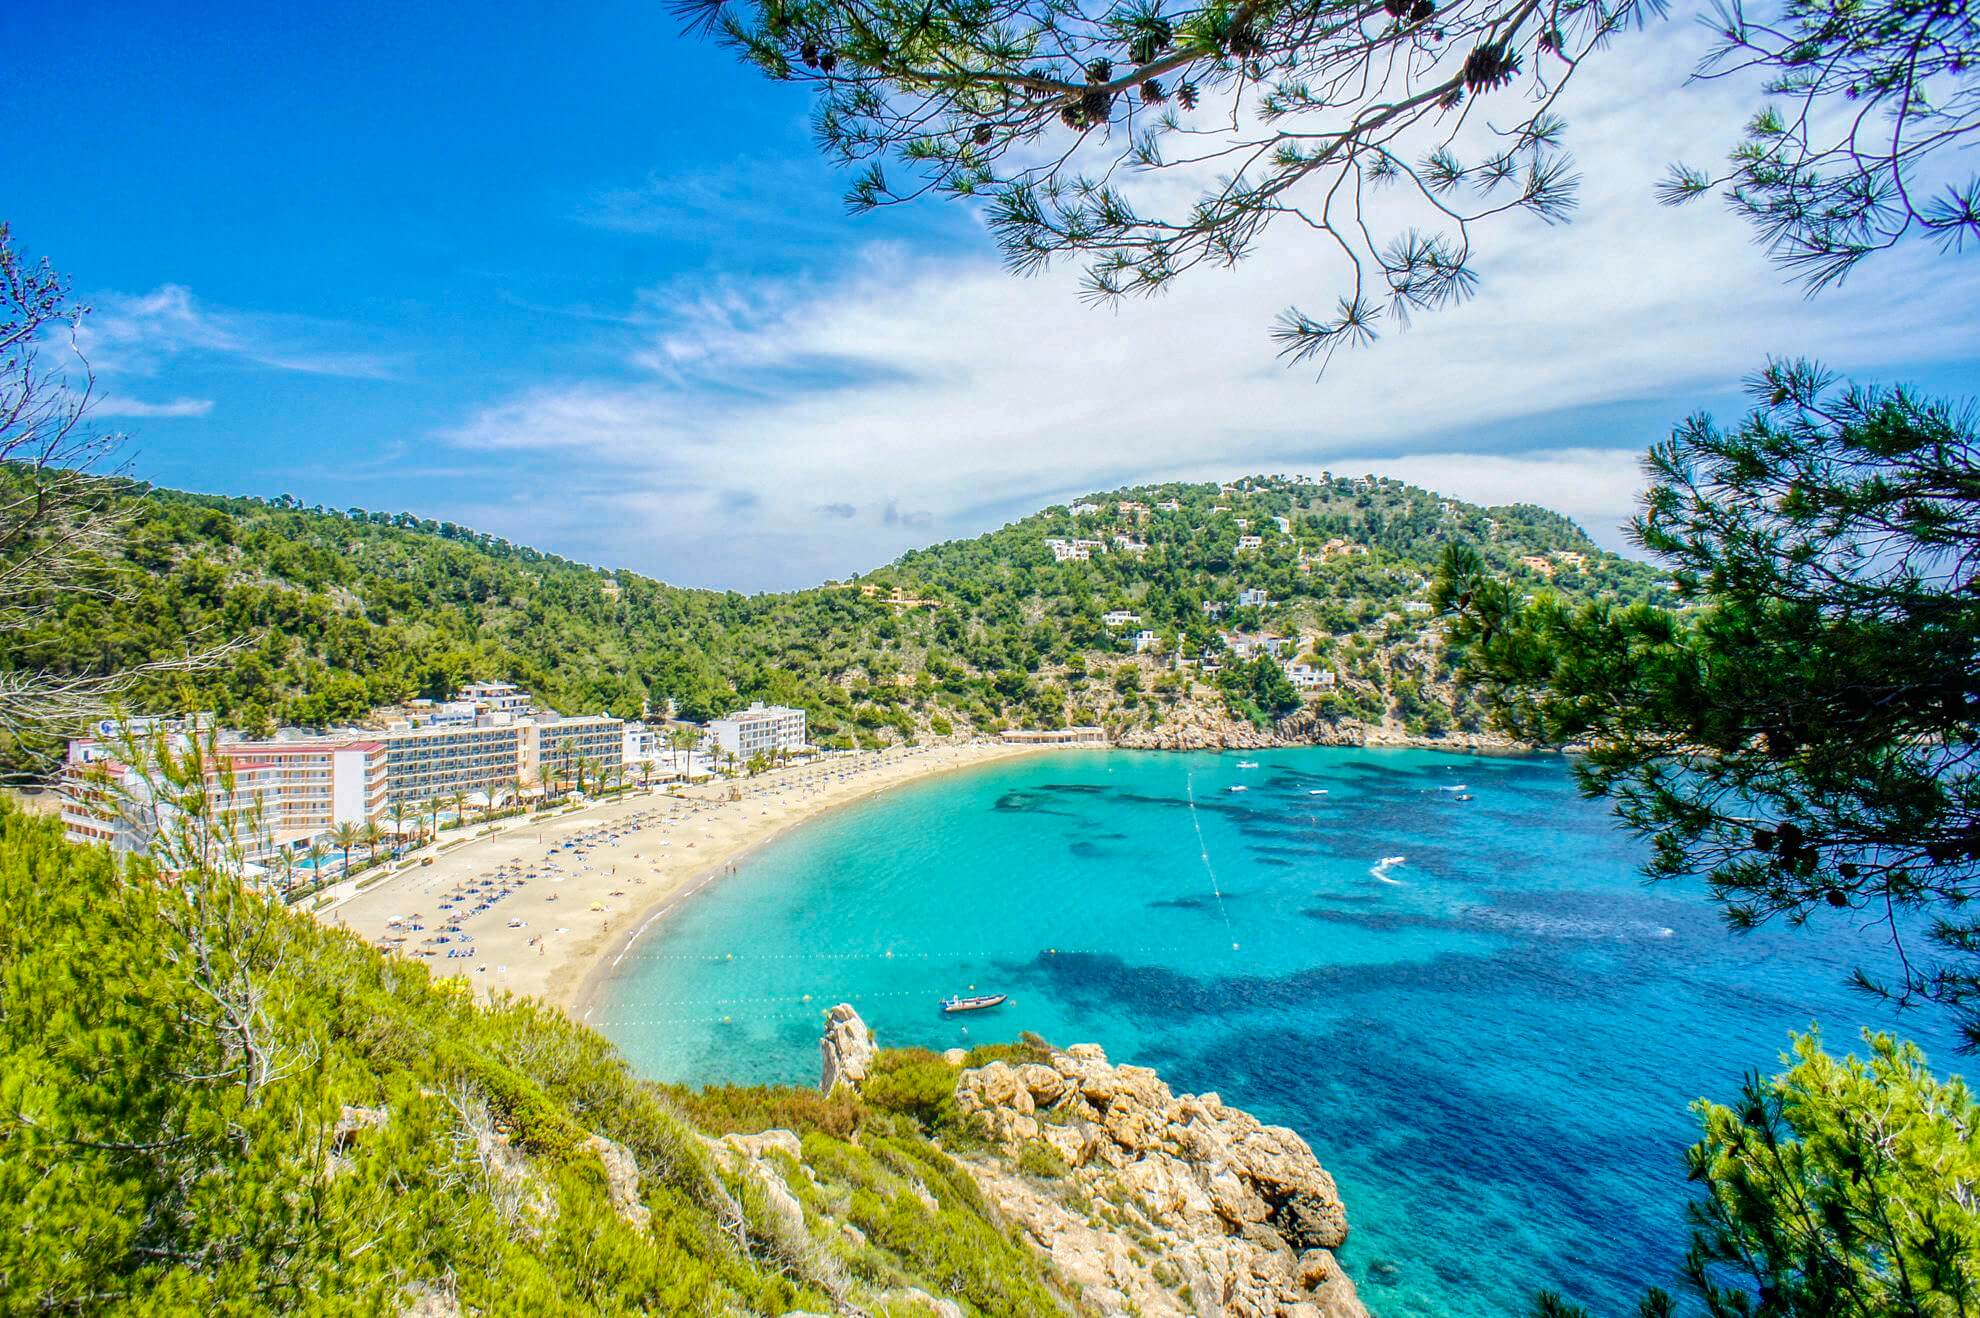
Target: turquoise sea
pixel 1490 1041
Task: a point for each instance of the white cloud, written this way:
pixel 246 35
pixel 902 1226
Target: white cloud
pixel 946 387
pixel 138 334
pixel 112 405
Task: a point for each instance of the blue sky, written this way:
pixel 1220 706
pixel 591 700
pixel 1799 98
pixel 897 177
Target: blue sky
pixel 561 274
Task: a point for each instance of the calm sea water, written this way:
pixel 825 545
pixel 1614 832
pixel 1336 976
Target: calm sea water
pixel 1483 1021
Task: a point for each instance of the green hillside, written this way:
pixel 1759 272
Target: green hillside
pixel 344 611
pixel 215 1105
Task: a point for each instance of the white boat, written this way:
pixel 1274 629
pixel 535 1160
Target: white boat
pixel 1247 764
pixel 1240 788
pixel 1316 791
pixel 981 1002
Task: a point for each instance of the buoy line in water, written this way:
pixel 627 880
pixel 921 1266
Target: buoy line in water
pixel 1203 852
pixel 896 954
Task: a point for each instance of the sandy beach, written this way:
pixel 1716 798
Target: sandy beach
pixel 543 907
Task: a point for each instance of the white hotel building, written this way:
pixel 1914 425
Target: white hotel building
pixel 297 786
pixel 759 730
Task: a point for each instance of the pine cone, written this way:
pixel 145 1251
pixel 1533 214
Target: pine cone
pixel 827 61
pixel 1152 92
pixel 982 135
pixel 1186 96
pixel 808 52
pixel 1489 67
pixel 1100 70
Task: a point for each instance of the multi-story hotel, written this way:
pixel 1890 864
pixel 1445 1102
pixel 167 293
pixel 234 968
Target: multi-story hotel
pixel 312 784
pixel 115 793
pixel 294 788
pixel 560 747
pixel 759 730
pixel 432 763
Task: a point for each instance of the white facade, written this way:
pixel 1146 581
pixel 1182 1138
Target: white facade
pixel 1145 641
pixel 1253 597
pixel 1120 617
pixel 1308 678
pixel 496 696
pixel 759 730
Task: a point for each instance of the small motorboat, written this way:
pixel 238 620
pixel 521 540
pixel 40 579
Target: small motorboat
pixel 1240 788
pixel 980 1002
pixel 1247 764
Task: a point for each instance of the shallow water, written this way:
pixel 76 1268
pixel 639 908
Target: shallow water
pixel 1476 1012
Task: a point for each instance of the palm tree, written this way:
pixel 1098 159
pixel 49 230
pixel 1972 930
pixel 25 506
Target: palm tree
pixel 683 739
pixel 566 749
pixel 288 863
pixel 344 837
pixel 398 812
pixel 433 810
pixel 458 799
pixel 315 856
pixel 371 835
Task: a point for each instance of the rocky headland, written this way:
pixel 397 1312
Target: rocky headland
pixel 1147 1201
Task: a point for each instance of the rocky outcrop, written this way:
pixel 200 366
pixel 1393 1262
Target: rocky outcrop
pixel 1158 1203
pixel 846 1049
pixel 1197 725
pixel 621 1181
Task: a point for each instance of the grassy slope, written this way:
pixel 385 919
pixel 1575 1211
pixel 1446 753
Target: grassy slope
pixel 140 1172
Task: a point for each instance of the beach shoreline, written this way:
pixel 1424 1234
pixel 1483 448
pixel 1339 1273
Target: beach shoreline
pixel 605 959
pixel 581 889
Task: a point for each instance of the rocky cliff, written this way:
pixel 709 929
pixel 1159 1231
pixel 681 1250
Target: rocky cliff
pixel 1202 725
pixel 1148 1202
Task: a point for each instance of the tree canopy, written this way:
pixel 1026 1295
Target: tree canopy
pixel 1801 731
pixel 1388 130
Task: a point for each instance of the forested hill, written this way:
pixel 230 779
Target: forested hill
pixel 344 611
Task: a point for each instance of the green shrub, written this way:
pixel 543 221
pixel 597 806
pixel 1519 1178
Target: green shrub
pixel 1040 1159
pixel 914 1082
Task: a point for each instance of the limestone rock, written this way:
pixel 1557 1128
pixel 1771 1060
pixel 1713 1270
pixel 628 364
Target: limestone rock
pixel 621 1181
pixel 744 1154
pixel 755 1146
pixel 1209 1210
pixel 846 1049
